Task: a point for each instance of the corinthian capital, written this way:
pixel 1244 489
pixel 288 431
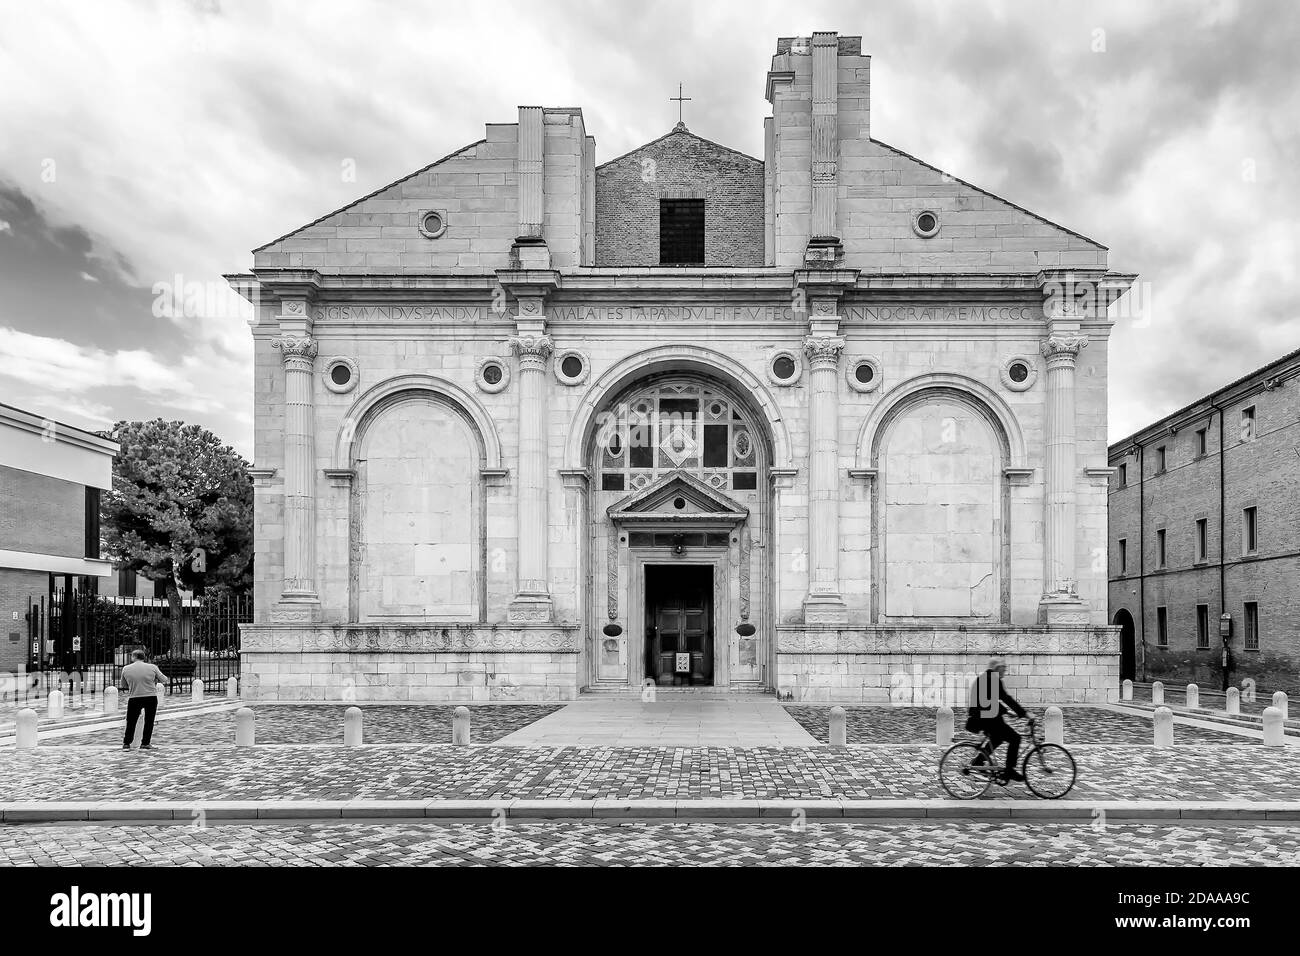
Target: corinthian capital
pixel 823 351
pixel 533 350
pixel 296 349
pixel 1063 346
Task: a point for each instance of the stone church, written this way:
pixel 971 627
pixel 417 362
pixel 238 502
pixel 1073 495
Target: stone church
pixel 829 424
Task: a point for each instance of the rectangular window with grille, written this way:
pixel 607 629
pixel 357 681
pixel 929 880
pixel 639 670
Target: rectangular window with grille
pixel 681 232
pixel 1162 627
pixel 1123 556
pixel 1161 553
pixel 1249 530
pixel 1252 626
pixel 1202 539
pixel 1202 625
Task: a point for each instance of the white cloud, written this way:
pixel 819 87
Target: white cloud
pixel 5 227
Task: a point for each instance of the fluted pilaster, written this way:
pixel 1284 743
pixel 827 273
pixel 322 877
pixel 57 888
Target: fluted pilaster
pixel 299 355
pixel 824 603
pixel 532 601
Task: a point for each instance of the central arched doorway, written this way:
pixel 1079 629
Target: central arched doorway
pixel 679 517
pixel 1127 645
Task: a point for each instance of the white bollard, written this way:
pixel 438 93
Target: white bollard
pixel 1280 702
pixel 1193 700
pixel 944 726
pixel 1054 726
pixel 1158 693
pixel 1164 730
pixel 110 700
pixel 1273 733
pixel 1126 690
pixel 1248 690
pixel 196 691
pixel 352 727
pixel 460 726
pixel 1233 706
pixel 160 692
pixel 26 737
pixel 839 734
pixel 232 688
pixel 54 705
pixel 245 734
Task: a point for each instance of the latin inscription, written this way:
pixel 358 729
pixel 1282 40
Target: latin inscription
pixel 704 315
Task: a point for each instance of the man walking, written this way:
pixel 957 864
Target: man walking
pixel 140 680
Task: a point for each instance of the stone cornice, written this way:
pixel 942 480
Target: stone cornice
pixel 432 638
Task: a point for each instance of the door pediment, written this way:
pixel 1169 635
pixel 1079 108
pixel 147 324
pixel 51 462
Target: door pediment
pixel 678 498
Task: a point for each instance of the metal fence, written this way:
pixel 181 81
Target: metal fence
pixel 78 639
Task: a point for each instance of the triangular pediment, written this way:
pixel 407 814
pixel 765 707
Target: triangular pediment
pixel 678 498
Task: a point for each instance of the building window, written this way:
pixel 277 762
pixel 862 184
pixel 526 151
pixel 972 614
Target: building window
pixel 675 426
pixel 1162 627
pixel 92 522
pixel 125 582
pixel 1161 554
pixel 1160 460
pixel 1249 530
pixel 1248 423
pixel 160 588
pixel 681 232
pixel 1252 625
pixel 1123 556
pixel 1202 539
pixel 1202 625
pixel 1123 476
pixel 1202 442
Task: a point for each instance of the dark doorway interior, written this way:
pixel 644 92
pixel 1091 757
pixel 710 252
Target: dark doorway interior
pixel 679 624
pixel 1127 646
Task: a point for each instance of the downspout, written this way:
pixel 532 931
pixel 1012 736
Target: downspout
pixel 1223 608
pixel 1142 552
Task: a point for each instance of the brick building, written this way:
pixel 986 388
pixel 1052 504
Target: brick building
pixel 1205 537
pixel 818 423
pixel 51 475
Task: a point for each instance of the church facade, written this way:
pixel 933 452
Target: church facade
pixel 830 424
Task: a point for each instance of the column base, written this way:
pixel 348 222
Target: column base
pixel 825 609
pixel 530 609
pixel 296 607
pixel 823 253
pixel 1063 608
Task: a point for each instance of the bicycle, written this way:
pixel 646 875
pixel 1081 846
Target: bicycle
pixel 967 770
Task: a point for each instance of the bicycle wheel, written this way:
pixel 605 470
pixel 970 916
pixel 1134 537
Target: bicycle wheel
pixel 1049 771
pixel 956 775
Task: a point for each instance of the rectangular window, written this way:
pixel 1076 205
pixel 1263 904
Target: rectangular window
pixel 1202 442
pixel 1252 625
pixel 1160 460
pixel 1123 556
pixel 160 588
pixel 1248 423
pixel 1123 476
pixel 1249 530
pixel 1161 554
pixel 681 232
pixel 715 446
pixel 1202 539
pixel 1162 627
pixel 125 583
pixel 1202 625
pixel 92 522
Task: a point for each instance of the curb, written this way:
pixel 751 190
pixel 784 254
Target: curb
pixel 613 809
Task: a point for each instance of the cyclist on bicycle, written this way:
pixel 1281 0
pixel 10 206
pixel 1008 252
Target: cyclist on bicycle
pixel 988 702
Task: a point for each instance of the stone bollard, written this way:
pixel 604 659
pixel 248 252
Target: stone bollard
pixel 110 700
pixel 54 705
pixel 196 691
pixel 245 734
pixel 1280 702
pixel 232 688
pixel 839 727
pixel 1164 727
pixel 460 726
pixel 1126 690
pixel 26 736
pixel 943 730
pixel 352 727
pixel 1054 726
pixel 1248 690
pixel 1233 706
pixel 1273 733
pixel 1193 700
pixel 1158 693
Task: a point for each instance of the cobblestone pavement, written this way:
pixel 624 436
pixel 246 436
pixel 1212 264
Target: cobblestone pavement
pixel 566 843
pixel 1115 772
pixel 1083 725
pixel 323 724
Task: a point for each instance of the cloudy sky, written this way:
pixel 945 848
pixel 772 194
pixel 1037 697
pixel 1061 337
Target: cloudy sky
pixel 146 147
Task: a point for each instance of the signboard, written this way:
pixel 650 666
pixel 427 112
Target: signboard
pixel 76 642
pixel 683 665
